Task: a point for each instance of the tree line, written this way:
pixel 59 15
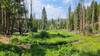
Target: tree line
pixel 13 18
pixel 85 20
pixel 12 14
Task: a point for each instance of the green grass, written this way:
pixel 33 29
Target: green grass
pixel 89 44
pixel 68 37
pixel 75 45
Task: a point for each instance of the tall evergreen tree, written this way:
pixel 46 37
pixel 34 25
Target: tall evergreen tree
pixel 44 19
pixel 69 19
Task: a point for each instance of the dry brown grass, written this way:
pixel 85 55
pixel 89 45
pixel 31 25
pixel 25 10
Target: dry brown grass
pixel 4 39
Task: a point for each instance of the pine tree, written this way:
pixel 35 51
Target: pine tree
pixel 69 19
pixel 44 19
pixel 11 13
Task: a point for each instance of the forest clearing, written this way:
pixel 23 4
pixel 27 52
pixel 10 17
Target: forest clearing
pixel 57 43
pixel 49 28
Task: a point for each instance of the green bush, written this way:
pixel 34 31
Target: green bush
pixel 44 34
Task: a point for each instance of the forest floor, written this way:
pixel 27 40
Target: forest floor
pixel 4 39
pixel 50 43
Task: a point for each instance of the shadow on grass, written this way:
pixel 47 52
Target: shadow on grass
pixel 45 34
pixel 37 50
pixel 12 48
pixel 59 35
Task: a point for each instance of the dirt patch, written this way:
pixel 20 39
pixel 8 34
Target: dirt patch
pixel 4 39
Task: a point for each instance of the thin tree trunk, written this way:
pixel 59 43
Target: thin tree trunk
pixel 93 18
pixel 5 22
pixel 2 20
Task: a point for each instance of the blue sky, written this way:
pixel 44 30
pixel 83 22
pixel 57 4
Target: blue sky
pixel 55 8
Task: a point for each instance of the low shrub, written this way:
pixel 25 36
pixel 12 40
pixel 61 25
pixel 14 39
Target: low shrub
pixel 44 34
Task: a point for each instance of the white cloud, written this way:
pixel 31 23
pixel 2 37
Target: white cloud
pixel 66 1
pixel 52 11
pixel 37 8
pixel 87 4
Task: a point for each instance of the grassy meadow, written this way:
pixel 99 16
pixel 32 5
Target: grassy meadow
pixel 49 27
pixel 51 43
